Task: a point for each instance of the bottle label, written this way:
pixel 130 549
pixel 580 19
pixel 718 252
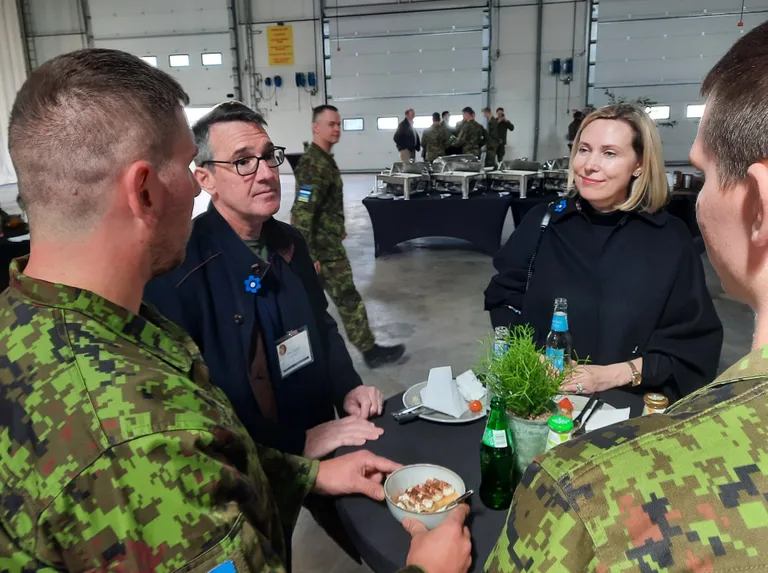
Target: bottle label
pixel 495 438
pixel 556 357
pixel 500 347
pixel 560 322
pixel 554 439
pixel 647 410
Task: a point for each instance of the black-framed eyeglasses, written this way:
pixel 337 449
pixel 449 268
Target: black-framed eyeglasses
pixel 249 165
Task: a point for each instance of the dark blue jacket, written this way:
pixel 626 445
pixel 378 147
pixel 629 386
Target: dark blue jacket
pixel 206 295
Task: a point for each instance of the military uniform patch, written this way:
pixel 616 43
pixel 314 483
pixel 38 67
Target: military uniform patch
pixel 305 192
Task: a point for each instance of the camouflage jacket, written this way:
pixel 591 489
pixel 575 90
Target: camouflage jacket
pixel 494 132
pixel 472 137
pixel 503 127
pixel 682 491
pixel 435 141
pixel 117 454
pixel 318 210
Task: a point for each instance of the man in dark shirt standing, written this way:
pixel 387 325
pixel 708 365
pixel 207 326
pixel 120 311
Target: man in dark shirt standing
pixel 406 138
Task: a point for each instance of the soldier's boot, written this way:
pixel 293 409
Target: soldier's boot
pixel 380 355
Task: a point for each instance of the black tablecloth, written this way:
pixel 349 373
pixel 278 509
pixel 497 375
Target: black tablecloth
pixel 379 538
pixel 479 219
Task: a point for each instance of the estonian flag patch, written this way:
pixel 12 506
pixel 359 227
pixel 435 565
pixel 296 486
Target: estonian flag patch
pixel 305 192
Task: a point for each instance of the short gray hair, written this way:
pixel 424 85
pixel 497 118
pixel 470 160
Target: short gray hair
pixel 222 113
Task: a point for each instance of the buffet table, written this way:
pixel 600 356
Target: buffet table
pixel 479 219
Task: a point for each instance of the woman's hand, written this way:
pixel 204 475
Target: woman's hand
pixel 590 378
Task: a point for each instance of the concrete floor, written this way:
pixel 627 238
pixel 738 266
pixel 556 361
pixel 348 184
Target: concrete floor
pixel 430 297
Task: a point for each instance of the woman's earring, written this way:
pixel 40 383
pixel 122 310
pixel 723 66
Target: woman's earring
pixel 637 174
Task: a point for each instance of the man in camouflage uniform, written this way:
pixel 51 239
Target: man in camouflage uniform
pixel 318 212
pixel 504 125
pixel 493 138
pixel 686 490
pixel 116 452
pixel 435 139
pixel 472 135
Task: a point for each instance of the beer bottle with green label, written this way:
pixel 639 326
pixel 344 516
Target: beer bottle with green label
pixel 497 459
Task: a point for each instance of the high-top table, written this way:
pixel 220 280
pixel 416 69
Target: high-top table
pixel 380 539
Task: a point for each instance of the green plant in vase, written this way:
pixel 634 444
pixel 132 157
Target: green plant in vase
pixel 527 383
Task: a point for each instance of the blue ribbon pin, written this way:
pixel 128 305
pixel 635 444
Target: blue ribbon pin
pixel 252 284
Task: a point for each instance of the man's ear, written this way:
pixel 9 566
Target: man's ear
pixel 139 184
pixel 207 181
pixel 757 181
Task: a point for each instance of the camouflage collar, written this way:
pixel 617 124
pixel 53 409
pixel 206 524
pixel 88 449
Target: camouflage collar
pixel 149 329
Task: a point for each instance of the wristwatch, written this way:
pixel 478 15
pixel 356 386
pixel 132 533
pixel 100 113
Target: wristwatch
pixel 636 376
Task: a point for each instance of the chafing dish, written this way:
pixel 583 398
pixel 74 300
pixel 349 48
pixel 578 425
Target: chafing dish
pixel 405 179
pixel 459 176
pixel 513 176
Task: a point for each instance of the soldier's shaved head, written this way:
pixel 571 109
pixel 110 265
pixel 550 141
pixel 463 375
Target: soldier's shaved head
pixel 77 122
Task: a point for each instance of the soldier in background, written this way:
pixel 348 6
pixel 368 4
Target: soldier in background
pixel 118 452
pixel 504 126
pixel 493 138
pixel 472 135
pixel 318 212
pixel 683 490
pixel 434 140
pixel 450 132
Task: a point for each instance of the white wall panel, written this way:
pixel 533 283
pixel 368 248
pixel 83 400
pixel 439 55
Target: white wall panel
pixel 283 10
pixel 12 75
pixel 663 51
pixel 149 17
pixel 515 70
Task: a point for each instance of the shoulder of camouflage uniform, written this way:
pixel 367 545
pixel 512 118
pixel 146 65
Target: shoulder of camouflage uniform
pixel 599 446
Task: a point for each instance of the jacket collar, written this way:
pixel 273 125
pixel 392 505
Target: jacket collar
pixel 566 208
pixel 148 329
pixel 277 240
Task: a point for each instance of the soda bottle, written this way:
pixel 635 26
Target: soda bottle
pixel 559 342
pixel 497 459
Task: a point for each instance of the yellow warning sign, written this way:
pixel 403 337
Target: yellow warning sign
pixel 280 45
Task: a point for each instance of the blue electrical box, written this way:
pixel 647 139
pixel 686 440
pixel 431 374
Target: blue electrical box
pixel 301 80
pixel 311 79
pixel 568 66
pixel 555 67
pixel 268 81
pixel 278 81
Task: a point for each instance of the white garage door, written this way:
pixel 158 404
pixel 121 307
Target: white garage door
pixel 380 65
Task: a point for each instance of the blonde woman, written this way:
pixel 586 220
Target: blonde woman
pixel 638 306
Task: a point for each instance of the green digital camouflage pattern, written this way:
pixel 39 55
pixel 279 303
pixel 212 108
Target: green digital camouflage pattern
pixel 435 141
pixel 318 211
pixel 472 137
pixel 494 132
pixel 682 491
pixel 340 286
pixel 116 452
pixel 447 128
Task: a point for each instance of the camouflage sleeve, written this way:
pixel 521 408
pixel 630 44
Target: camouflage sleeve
pixel 311 187
pixel 163 502
pixel 291 478
pixel 543 531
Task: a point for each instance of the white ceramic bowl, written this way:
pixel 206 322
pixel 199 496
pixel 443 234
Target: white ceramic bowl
pixel 408 476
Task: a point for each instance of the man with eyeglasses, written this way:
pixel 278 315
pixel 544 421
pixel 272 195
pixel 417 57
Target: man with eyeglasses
pixel 249 296
pixel 318 212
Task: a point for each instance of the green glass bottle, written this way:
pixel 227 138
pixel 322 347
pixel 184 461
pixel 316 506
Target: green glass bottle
pixel 497 459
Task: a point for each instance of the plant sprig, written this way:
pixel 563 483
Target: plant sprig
pixel 522 377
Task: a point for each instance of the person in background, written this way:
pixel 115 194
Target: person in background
pixel 678 491
pixel 493 138
pixel 638 305
pixel 318 213
pixel 472 136
pixel 504 126
pixel 450 132
pixel 119 454
pixel 406 138
pixel 574 126
pixel 434 140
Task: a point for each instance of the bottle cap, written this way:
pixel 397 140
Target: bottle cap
pixel 655 400
pixel 560 424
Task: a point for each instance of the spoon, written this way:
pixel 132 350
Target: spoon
pixel 458 500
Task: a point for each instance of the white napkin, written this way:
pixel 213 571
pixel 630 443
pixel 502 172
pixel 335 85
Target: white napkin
pixel 470 387
pixel 442 393
pixel 604 417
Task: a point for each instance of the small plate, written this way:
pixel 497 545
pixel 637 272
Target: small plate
pixel 412 397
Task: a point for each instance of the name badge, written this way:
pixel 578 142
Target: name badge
pixel 294 351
